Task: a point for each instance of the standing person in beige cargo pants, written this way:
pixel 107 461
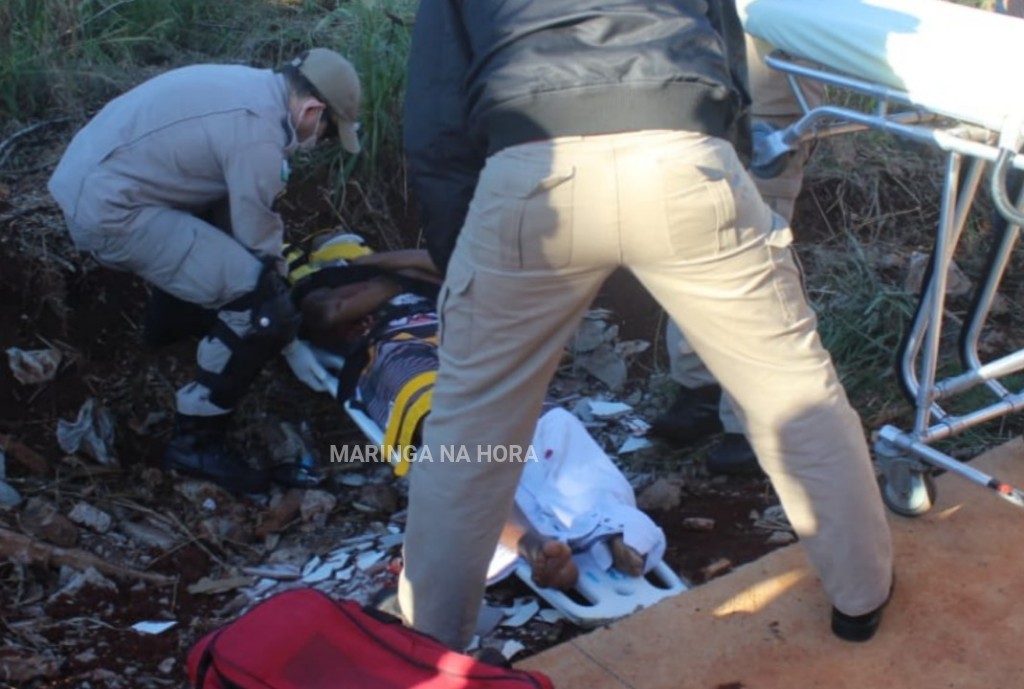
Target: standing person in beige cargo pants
pixel 550 143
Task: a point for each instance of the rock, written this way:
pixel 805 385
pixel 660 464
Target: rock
pixel 89 578
pixel 9 496
pixel 41 519
pixel 378 498
pixel 19 666
pixel 90 516
pixel 24 455
pixel 698 524
pixel 781 538
pixel 316 502
pixel 663 494
pixel 281 513
pixel 149 535
pixel 717 567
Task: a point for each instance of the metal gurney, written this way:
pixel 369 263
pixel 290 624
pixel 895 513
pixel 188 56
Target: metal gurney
pixel 936 74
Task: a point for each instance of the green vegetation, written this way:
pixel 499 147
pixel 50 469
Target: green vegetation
pixel 65 58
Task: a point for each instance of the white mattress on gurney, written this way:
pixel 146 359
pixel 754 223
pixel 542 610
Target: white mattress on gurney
pixel 956 61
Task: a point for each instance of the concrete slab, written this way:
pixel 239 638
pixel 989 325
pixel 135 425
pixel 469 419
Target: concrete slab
pixel 956 619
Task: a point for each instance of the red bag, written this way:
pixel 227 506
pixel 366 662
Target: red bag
pixel 301 639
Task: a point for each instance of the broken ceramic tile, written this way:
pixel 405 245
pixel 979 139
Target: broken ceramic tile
pixel 606 410
pixel 634 443
pixel 521 613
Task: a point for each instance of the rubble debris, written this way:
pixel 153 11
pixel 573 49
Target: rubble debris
pixel 317 503
pixel 773 519
pixel 511 647
pixel 280 572
pixel 208 586
pixel 281 513
pixel 77 581
pixel 90 516
pixel 9 496
pixel 154 628
pixel 377 498
pixel 602 409
pixel 92 433
pixel 42 519
pixel 149 535
pixel 698 524
pixel 633 444
pixel 19 548
pixel 663 494
pixel 24 455
pixel 521 612
pixel 719 566
pixel 34 366
pixel 18 666
pixel 781 538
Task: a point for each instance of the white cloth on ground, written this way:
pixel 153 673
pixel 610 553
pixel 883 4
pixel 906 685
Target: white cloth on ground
pixel 573 492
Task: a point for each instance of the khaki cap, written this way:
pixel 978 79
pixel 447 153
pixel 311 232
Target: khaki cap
pixel 337 83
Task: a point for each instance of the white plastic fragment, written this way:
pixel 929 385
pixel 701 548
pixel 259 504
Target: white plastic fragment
pixel 607 410
pixel 153 627
pixel 34 366
pixel 511 647
pixel 90 516
pixel 366 560
pixel 279 572
pixel 521 613
pixel 92 433
pixel 311 565
pixel 633 443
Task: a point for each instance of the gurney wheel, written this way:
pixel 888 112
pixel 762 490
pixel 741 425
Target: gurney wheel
pixel 909 495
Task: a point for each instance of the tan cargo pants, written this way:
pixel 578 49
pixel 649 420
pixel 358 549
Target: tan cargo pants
pixel 774 103
pixel 548 223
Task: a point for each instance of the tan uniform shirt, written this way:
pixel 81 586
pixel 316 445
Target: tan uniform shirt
pixel 184 139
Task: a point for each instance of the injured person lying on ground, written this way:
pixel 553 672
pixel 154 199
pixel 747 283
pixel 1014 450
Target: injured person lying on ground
pixel 376 316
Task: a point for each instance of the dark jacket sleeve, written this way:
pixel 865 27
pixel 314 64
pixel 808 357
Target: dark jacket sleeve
pixel 723 16
pixel 443 162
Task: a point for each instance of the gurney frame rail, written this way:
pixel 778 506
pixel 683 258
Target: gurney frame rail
pixel 905 458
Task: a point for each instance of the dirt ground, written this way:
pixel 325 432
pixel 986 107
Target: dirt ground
pixel 166 535
pixel 171 549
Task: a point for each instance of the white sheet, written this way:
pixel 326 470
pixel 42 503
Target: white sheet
pixel 576 494
pixel 954 60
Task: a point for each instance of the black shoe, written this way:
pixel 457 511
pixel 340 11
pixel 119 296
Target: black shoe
pixel 859 628
pixel 385 601
pixel 491 656
pixel 199 448
pixel 733 456
pixel 692 417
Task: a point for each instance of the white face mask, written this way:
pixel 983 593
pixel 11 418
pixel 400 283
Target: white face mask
pixel 309 143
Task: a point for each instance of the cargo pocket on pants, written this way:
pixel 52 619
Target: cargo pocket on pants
pixel 455 311
pixel 788 276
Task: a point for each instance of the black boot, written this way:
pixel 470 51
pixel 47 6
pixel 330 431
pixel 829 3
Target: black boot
pixel 169 319
pixel 692 417
pixel 733 456
pixel 199 448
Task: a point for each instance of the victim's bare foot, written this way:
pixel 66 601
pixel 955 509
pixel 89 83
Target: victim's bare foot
pixel 624 558
pixel 552 565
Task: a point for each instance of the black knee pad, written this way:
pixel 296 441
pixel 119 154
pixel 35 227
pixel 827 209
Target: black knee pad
pixel 274 322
